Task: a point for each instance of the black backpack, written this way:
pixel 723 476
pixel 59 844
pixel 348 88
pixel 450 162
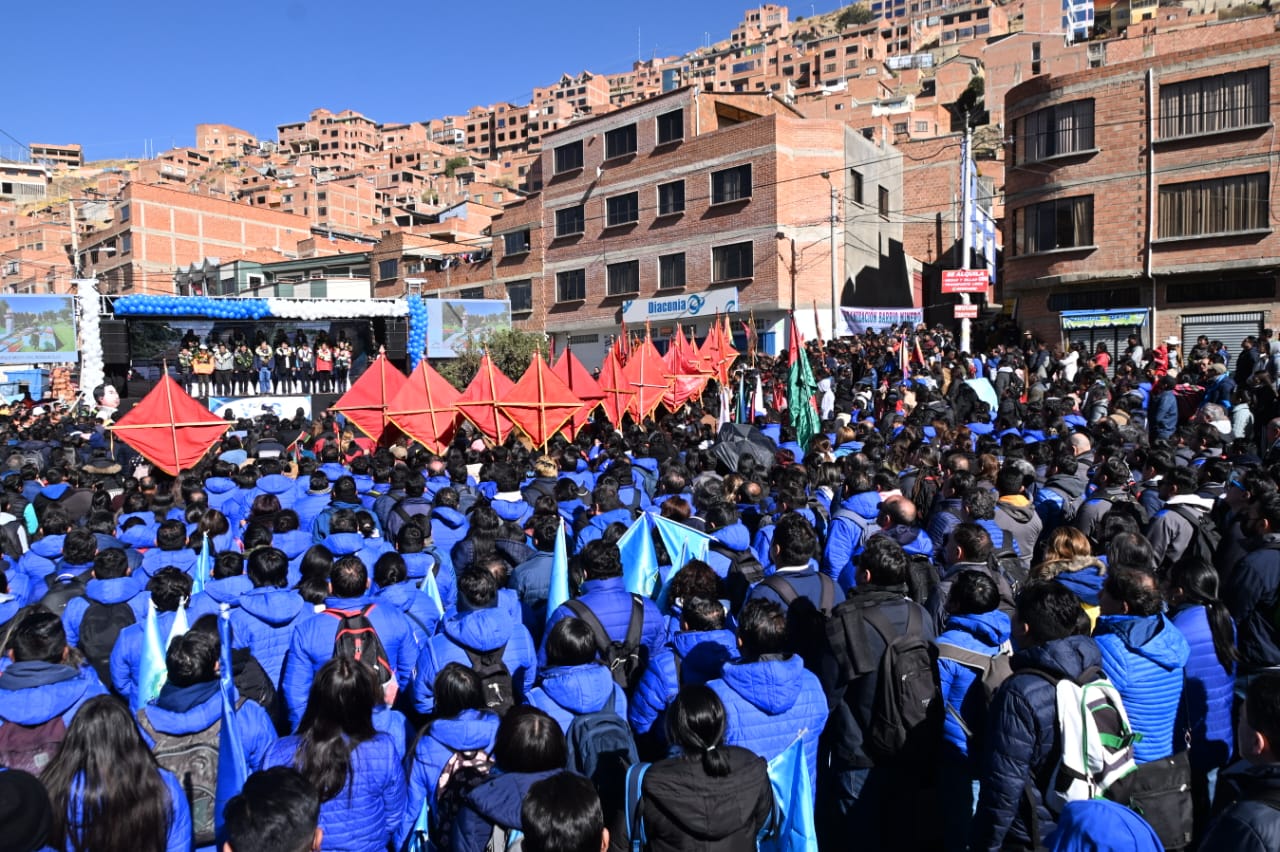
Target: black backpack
pixel 99 628
pixel 495 677
pixel 62 588
pixel 1004 562
pixel 1205 537
pixel 462 773
pixel 922 577
pixel 806 623
pixel 627 659
pixel 10 539
pixel 744 572
pixel 356 639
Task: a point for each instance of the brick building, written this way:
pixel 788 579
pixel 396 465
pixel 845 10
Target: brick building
pixel 155 230
pixel 33 258
pixel 224 142
pixel 1175 237
pixel 57 156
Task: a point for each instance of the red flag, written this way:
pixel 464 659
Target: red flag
pixel 718 352
pixel 647 374
pixel 687 380
pixel 575 375
pixel 541 403
pixel 169 428
pixel 425 409
pixel 365 404
pixel 617 390
pixel 478 402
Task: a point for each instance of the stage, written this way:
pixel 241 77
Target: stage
pixel 281 405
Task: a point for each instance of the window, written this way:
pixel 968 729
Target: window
pixel 520 293
pixel 1215 104
pixel 670 198
pixel 126 243
pixel 516 242
pixel 622 209
pixel 620 141
pixel 124 212
pixel 570 221
pixel 883 202
pixel 471 293
pixel 732 262
pixel 624 278
pixel 671 271
pixel 568 157
pixel 322 211
pixel 857 185
pixel 1055 131
pixel 388 269
pixel 1063 223
pixel 571 286
pixel 670 127
pixel 731 184
pixel 1206 208
pixel 1259 289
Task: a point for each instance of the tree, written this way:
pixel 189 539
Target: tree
pixel 854 15
pixel 511 349
pixel 454 163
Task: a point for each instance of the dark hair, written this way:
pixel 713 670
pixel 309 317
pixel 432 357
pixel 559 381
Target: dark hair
pixel 700 614
pixel 268 568
pixel 316 566
pixel 389 570
pixel 106 776
pixel 171 535
pixel 1135 587
pixel 1199 584
pixel 192 657
pixel 795 539
pixel 696 722
pixel 256 535
pixel 228 563
pixel 286 520
pixel 571 643
pixel 762 629
pixel 696 579
pixel 411 537
pixel 885 560
pixel 562 813
pixel 457 688
pixel 972 593
pixel 38 637
pixel 478 588
pixel 529 740
pixel 600 560
pixel 278 810
pixel 168 588
pixel 349 578
pixel 339 716
pixel 79 547
pixel 1261 706
pixel 1049 609
pixel 110 563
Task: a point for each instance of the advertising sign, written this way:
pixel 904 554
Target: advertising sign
pixel 860 320
pixel 683 306
pixel 38 330
pixel 452 321
pixel 966 311
pixel 965 280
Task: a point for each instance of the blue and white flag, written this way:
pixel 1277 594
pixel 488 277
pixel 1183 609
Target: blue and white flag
pixel 559 593
pixel 233 769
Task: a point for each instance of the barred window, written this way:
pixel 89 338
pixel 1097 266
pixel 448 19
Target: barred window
pixel 1055 131
pixel 1059 224
pixel 1214 104
pixel 1209 207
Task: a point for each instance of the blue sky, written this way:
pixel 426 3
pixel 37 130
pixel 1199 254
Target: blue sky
pixel 123 75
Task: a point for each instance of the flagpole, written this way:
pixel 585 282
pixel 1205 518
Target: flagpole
pixel 173 426
pixel 966 213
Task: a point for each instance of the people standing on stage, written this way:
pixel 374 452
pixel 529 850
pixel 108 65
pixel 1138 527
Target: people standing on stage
pixel 324 363
pixel 185 354
pixel 202 366
pixel 341 363
pixel 264 360
pixel 285 365
pixel 223 363
pixel 306 361
pixel 243 368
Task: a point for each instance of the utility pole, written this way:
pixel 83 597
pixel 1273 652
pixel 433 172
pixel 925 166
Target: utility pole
pixel 835 263
pixel 75 239
pixel 966 204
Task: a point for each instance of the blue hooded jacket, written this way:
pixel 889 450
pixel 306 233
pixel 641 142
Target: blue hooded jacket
pixel 610 602
pixel 496 801
pixel 41 559
pixel 769 702
pixel 1094 825
pixel 219 492
pixel 155 559
pixel 309 506
pixel 1144 657
pixel 566 692
pixel 1208 692
pixel 277 484
pixel 511 507
pixel 596 525
pixel 844 535
pixel 117 590
pixel 126 656
pixel 531 580
pixel 34 692
pixel 735 537
pixel 703 655
pixel 264 624
pixel 189 710
pixel 469 730
pixel 416 606
pixel 217 592
pixel 985 633
pixel 480 630
pixel 448 527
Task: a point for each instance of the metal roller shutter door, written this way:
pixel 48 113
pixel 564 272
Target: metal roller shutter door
pixel 1231 329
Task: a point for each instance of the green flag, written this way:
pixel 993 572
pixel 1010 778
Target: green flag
pixel 801 390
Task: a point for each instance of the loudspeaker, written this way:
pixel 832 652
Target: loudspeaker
pixel 397 339
pixel 115 341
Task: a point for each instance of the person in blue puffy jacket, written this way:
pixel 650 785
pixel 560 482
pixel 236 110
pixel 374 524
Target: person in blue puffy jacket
pixel 344 496
pixel 1100 825
pixel 353 766
pixel 975 629
pixel 695 655
pixel 460 723
pixel 313 501
pixel 480 625
pixel 606 508
pixel 531 579
pixel 507 500
pixel 391 578
pixel 226 583
pixel 171 550
pixel 268 612
pixel 271 481
pixel 851 523
pixel 289 538
pixel 136 805
pixel 39 685
pixel 1144 655
pixel 770 697
pixel 573 682
pixel 111 583
pixel 169 589
pixel 1205 710
pixel 313 638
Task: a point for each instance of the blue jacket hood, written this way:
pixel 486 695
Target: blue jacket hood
pixel 450 517
pixel 480 629
pixel 139 536
pixel 1153 637
pixel 735 536
pixel 620 515
pixel 866 504
pixel 190 721
pixel 228 589
pixel 1085 583
pixel 275 483
pixel 342 544
pixel 219 485
pixel 470 729
pixel 990 628
pixel 50 547
pixel 511 510
pixel 704 652
pixel 498 800
pixel 1096 824
pixel 276 607
pixel 579 689
pixel 54 492
pixel 293 543
pixel 1069 656
pixel 771 686
pixel 117 590
pixel 33 693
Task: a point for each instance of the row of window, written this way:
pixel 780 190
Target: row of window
pixel 727 186
pixel 619 142
pixel 734 262
pixel 1216 104
pixel 1195 209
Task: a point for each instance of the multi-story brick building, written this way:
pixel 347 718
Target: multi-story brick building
pixel 23 182
pixel 692 201
pixel 156 230
pixel 57 156
pixel 331 138
pixel 33 258
pixel 224 142
pixel 1140 195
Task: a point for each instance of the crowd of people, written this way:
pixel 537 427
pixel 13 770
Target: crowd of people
pixel 230 365
pixel 1034 614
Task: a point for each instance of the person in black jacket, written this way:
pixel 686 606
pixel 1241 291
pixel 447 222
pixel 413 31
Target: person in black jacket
pixel 712 797
pixel 1249 794
pixel 1253 592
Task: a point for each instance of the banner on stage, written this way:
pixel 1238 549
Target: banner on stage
pixel 450 322
pixel 38 330
pixel 860 320
pixel 247 407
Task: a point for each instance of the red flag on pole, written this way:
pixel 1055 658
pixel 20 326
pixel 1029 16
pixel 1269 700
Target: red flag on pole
pixel 169 428
pixel 575 375
pixel 478 402
pixel 647 375
pixel 616 388
pixel 541 403
pixel 425 409
pixel 365 404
